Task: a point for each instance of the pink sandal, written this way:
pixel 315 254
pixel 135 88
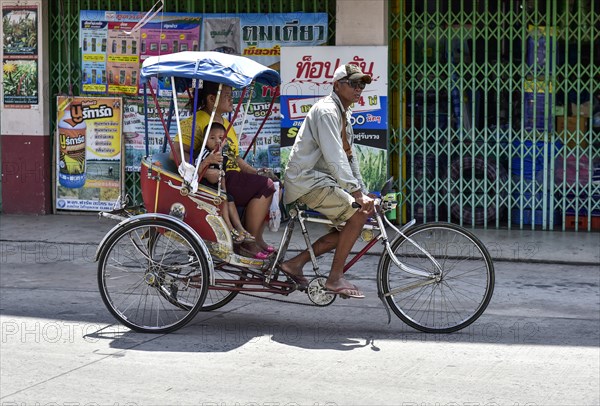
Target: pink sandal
pixel 269 249
pixel 258 255
pixel 261 255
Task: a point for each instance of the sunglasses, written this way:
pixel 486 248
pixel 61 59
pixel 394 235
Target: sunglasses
pixel 355 84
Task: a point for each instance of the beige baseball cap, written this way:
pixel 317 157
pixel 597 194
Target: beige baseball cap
pixel 350 72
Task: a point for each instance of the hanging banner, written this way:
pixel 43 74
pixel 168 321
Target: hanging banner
pixel 307 76
pixel 222 35
pixel 88 153
pixel 20 56
pixel 263 35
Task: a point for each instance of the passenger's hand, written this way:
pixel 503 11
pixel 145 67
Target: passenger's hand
pixel 267 172
pixel 213 158
pixel 212 175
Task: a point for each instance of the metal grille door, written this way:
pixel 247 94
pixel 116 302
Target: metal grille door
pixel 496 112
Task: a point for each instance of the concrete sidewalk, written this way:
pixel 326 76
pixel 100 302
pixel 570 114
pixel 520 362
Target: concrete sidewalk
pixel 508 245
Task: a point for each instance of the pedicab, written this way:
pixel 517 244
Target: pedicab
pixel 159 268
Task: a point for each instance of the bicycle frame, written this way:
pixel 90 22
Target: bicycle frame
pixel 303 216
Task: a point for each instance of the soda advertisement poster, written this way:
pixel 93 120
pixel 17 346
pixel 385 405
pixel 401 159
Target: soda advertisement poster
pixel 307 76
pixel 89 169
pixel 20 56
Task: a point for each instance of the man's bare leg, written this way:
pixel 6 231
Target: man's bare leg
pixel 324 244
pixel 347 238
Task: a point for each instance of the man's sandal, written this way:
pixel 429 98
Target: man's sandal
pixel 346 293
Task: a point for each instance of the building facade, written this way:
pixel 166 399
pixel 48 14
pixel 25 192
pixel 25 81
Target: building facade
pixel 494 106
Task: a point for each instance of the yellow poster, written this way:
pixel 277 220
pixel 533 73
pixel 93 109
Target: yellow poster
pixel 89 143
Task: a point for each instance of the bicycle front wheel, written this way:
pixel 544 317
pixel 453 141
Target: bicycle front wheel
pixel 452 300
pixel 153 275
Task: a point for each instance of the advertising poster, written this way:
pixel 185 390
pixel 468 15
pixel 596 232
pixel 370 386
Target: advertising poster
pixel 113 48
pixel 262 37
pixel 307 75
pixel 20 50
pixel 134 127
pixel 88 153
pixel 265 151
pixel 123 58
pixel 165 35
pixel 93 37
pixel 222 35
pixel 257 36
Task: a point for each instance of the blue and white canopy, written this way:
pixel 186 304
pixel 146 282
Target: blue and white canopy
pixel 232 70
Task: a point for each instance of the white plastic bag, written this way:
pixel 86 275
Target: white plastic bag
pixel 189 174
pixel 274 212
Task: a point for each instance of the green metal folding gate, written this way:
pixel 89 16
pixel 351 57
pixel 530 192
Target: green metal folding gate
pixel 492 111
pixel 65 59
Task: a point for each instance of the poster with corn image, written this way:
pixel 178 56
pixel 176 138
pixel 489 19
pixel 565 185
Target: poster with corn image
pixel 307 76
pixel 19 39
pixel 89 164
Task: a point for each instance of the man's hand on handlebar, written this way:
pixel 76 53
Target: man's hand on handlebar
pixel 366 203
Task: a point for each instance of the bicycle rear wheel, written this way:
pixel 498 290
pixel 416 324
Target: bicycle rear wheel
pixel 153 275
pixel 459 294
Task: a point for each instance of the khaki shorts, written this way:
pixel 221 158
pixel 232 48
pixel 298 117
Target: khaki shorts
pixel 333 202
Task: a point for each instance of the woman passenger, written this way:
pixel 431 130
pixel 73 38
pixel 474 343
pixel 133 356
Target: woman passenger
pixel 248 188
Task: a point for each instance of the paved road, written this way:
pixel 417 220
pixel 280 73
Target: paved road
pixel 537 344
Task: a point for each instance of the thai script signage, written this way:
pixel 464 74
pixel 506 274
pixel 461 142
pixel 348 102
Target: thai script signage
pixel 88 153
pixel 307 76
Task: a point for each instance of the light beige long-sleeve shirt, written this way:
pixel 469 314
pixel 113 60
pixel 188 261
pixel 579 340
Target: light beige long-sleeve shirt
pixel 318 158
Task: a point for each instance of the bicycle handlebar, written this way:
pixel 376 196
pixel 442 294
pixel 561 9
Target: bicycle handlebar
pixel 379 202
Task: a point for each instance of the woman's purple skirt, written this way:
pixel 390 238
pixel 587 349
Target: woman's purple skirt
pixel 246 186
